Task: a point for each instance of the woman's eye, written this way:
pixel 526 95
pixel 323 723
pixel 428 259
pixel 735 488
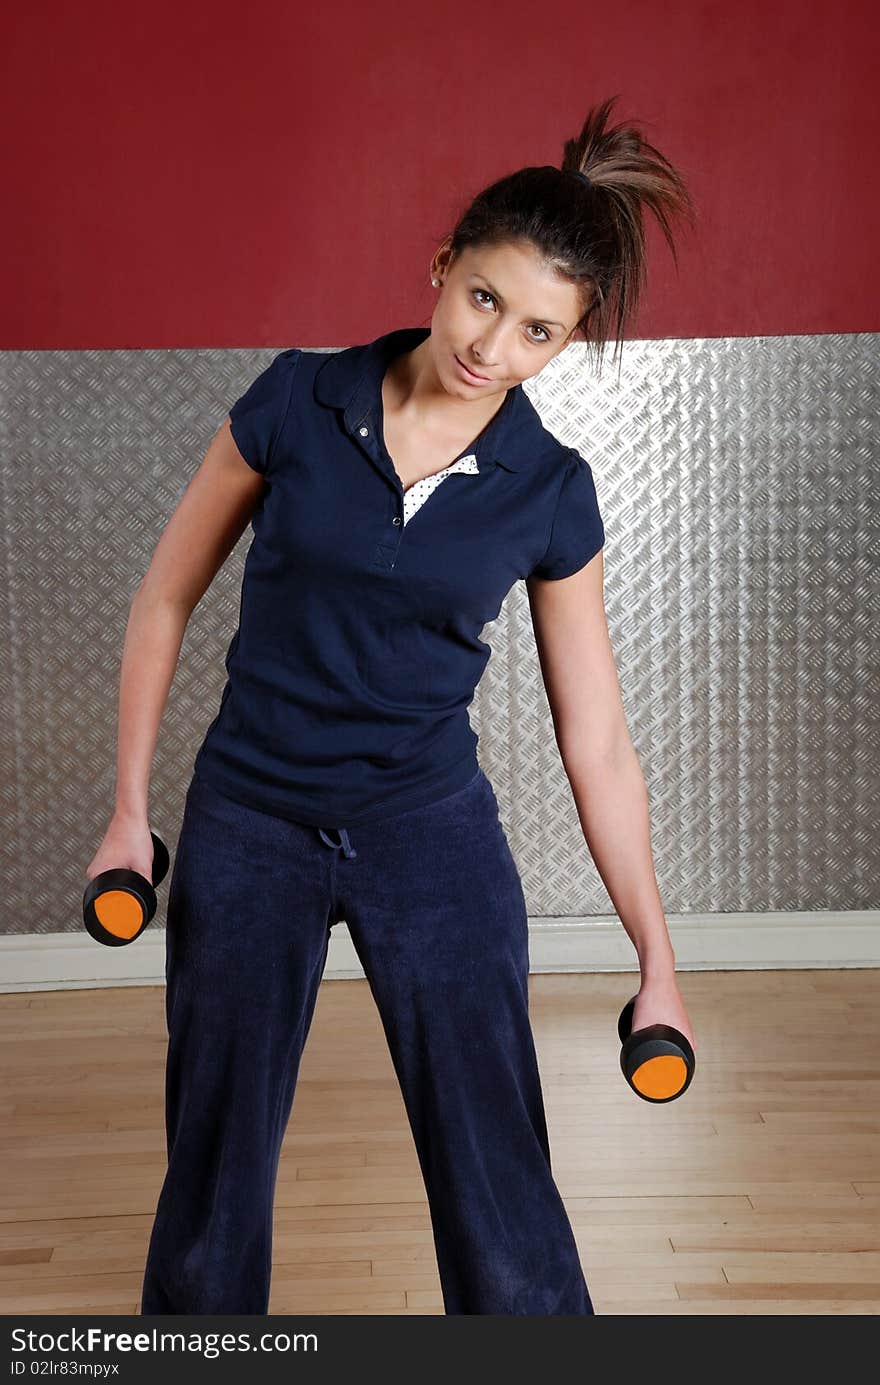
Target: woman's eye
pixel 545 337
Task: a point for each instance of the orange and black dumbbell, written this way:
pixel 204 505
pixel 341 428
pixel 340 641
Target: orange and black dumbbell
pixel 118 904
pixel 658 1061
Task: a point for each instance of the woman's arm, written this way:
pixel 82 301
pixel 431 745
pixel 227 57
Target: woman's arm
pixel 207 523
pixel 583 691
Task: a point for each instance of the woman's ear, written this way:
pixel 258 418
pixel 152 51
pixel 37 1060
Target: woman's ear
pixel 442 258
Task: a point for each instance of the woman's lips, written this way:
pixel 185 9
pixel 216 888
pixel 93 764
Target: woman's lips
pixel 471 375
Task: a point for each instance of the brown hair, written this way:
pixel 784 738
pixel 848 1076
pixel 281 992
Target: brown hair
pixel 592 233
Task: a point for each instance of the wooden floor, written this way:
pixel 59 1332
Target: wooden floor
pixel 757 1192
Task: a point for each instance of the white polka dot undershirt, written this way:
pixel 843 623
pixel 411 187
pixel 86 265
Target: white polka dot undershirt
pixel 416 496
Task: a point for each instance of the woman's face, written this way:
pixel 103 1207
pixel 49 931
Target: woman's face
pixel 500 312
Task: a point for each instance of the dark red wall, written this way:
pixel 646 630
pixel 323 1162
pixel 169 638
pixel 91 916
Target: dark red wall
pixel 262 174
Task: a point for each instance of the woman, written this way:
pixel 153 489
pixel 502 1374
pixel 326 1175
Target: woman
pixel 397 490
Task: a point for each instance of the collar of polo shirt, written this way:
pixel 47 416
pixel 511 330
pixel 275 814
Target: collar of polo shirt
pixel 351 379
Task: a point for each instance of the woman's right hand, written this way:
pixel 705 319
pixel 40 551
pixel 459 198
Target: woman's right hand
pixel 127 844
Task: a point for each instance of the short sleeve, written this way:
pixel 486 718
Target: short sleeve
pixel 256 419
pixel 578 532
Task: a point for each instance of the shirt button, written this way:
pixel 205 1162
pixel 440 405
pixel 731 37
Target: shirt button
pixel 363 432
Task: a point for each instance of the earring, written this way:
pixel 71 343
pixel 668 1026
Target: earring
pixel 436 283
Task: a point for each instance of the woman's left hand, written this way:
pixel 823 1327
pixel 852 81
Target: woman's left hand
pixel 660 1002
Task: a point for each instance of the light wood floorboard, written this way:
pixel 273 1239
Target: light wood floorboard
pixel 758 1192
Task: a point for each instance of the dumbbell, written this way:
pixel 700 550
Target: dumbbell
pixel 658 1061
pixel 118 904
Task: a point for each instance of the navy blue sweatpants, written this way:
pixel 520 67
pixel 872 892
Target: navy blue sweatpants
pixel 435 909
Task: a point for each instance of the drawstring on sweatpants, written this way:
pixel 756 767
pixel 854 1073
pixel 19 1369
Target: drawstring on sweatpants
pixel 347 848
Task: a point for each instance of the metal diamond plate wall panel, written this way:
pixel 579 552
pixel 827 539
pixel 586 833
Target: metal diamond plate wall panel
pixel 742 560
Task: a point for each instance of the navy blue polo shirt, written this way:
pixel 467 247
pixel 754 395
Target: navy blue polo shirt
pixel 359 646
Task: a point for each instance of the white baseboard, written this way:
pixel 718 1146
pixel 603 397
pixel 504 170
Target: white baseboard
pixel 707 942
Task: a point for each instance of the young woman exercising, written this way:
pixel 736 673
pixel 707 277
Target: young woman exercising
pixel 397 491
